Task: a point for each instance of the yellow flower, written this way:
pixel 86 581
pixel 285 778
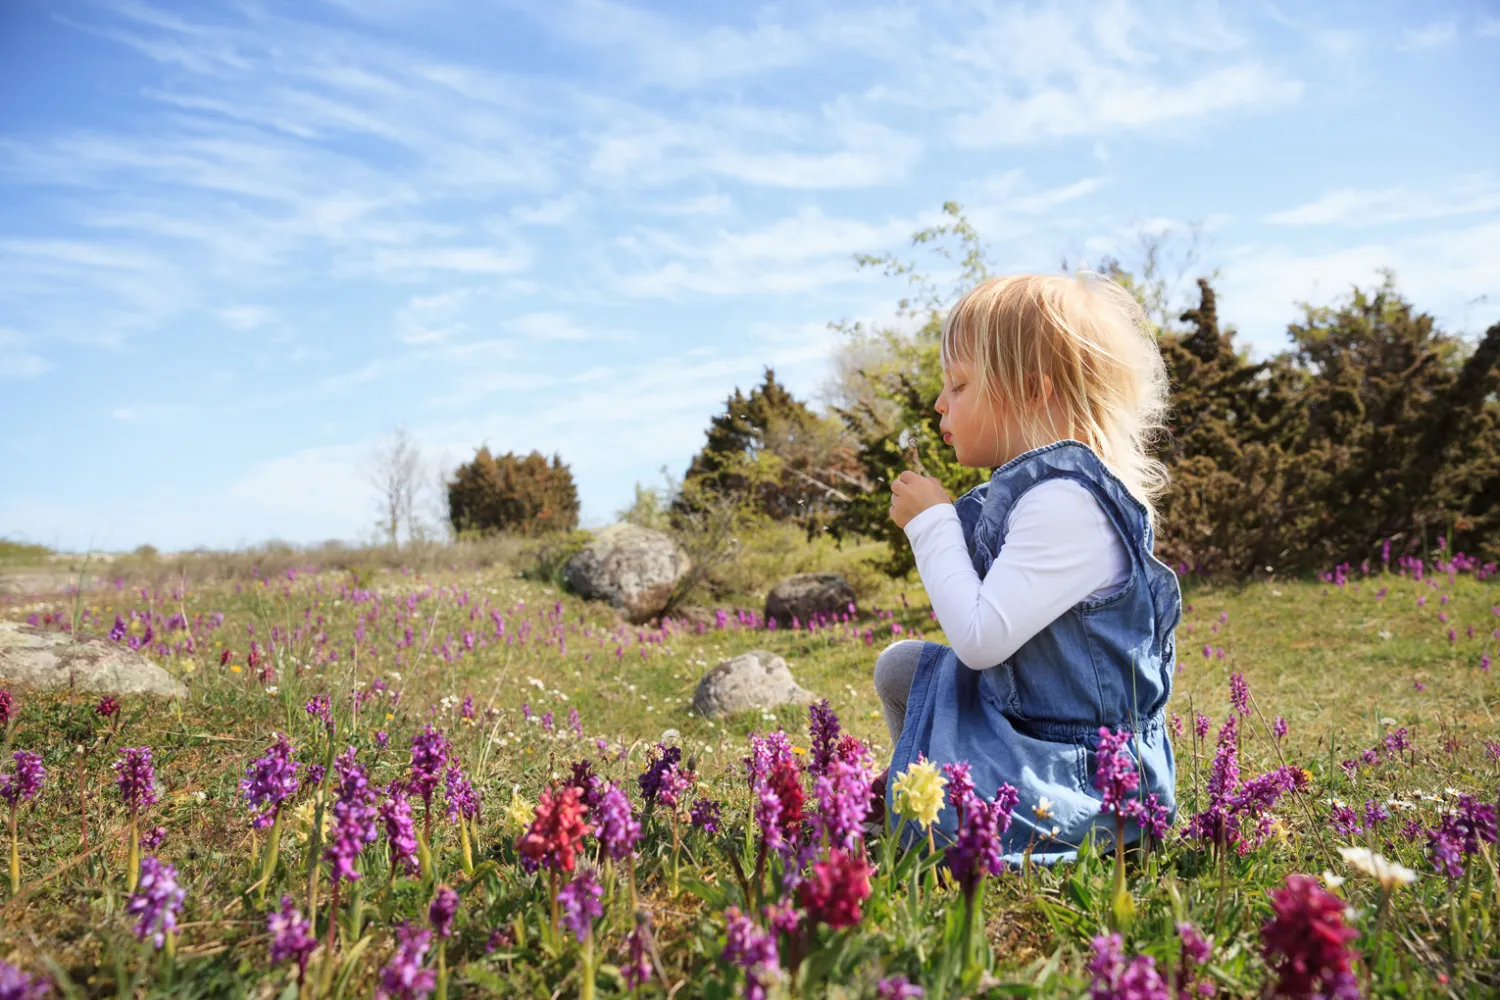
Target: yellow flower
pixel 302 819
pixel 919 793
pixel 518 814
pixel 799 751
pixel 235 668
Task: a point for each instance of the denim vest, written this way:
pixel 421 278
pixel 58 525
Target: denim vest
pixel 1033 721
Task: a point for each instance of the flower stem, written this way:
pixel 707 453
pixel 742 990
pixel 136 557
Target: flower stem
pixel 133 856
pixel 15 855
pixel 971 904
pixel 273 850
pixel 586 973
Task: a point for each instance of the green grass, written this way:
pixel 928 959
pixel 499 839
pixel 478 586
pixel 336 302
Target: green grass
pixel 1333 662
pixel 16 554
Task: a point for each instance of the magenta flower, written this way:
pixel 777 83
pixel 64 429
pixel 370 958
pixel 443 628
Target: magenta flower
pixel 823 728
pixel 960 786
pixel 765 753
pixel 459 794
pixel 354 815
pixel 580 903
pixel 898 988
pixel 430 751
pixel 400 832
pixel 1115 775
pixel 156 902
pixel 320 707
pixel 976 850
pixel 1201 724
pixel 1279 727
pixel 270 780
pixel 833 893
pixel 753 950
pixel 636 969
pixel 1115 979
pixel 403 977
pixel 108 707
pixel 706 815
pixel 17 985
pixel 674 785
pixel 152 838
pixel 1307 944
pixel 136 777
pixel 664 760
pixel 22 784
pixel 843 792
pixel 1239 693
pixel 291 936
pixel 443 909
pixel 618 829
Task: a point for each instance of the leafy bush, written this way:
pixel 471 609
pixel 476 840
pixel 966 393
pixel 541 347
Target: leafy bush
pixel 525 496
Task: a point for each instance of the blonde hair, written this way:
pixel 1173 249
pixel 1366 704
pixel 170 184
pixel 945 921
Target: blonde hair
pixel 1093 340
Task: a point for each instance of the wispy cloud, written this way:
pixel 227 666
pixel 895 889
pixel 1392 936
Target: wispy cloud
pixel 1430 36
pixel 1470 195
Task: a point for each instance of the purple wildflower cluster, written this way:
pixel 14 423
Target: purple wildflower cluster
pixel 898 988
pixel 1307 944
pixel 636 969
pixel 1239 693
pixel 459 795
pixel 975 851
pixel 23 783
pixel 291 936
pixel 400 830
pixel 354 815
pixel 1460 833
pixel 320 707
pixel 1117 979
pixel 17 985
pixel 843 793
pixel 580 903
pixel 618 829
pixel 136 778
pixel 430 752
pixel 404 977
pixel 823 728
pixel 661 776
pixel 1239 812
pixel 270 780
pixel 442 910
pixel 753 950
pixel 706 815
pixel 1117 779
pixel 156 902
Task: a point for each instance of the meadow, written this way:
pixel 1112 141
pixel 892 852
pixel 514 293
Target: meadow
pixel 460 780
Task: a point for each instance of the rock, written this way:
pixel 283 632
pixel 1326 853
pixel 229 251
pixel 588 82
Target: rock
pixel 755 679
pixel 806 594
pixel 631 567
pixel 31 657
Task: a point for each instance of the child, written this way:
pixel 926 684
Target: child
pixel 1043 578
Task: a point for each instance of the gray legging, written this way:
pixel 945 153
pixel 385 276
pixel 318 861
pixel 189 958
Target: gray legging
pixel 894 668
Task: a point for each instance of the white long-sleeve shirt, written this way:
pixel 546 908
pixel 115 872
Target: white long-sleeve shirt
pixel 1060 548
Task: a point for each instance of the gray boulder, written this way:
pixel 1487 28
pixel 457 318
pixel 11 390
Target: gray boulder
pixel 31 657
pixel 631 567
pixel 806 594
pixel 757 679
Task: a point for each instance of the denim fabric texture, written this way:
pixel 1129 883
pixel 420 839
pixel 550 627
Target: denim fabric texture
pixel 1033 721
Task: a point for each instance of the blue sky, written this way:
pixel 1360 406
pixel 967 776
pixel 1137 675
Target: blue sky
pixel 239 242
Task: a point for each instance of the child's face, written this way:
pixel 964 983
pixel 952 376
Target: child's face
pixel 978 429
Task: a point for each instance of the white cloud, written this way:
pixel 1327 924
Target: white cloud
pixel 1488 27
pixel 706 204
pixel 1108 102
pixel 1440 272
pixel 244 317
pixel 547 327
pixel 1429 36
pixel 797 253
pixel 548 213
pixel 1469 195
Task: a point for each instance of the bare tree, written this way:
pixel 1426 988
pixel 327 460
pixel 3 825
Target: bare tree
pixel 396 472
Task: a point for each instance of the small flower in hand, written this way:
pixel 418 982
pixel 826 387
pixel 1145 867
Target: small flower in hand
pixel 912 493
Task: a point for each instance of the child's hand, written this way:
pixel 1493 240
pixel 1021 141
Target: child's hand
pixel 911 494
